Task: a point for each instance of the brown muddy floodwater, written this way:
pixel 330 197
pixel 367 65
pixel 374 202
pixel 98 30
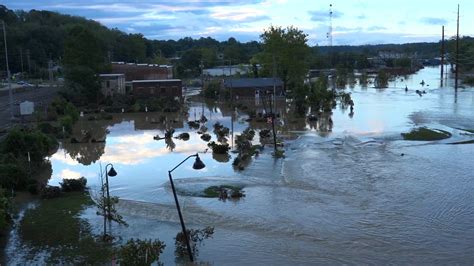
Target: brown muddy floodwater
pixel 343 194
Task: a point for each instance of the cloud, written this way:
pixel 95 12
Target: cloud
pixel 69 174
pixel 376 28
pixel 323 15
pixel 433 21
pixel 361 17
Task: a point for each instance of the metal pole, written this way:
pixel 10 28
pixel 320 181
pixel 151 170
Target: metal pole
pixel 108 194
pixel 183 227
pixel 10 94
pixel 457 55
pixel 442 55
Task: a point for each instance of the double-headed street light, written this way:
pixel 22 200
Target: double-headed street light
pixel 198 164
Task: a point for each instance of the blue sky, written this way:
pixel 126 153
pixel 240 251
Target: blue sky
pixel 354 21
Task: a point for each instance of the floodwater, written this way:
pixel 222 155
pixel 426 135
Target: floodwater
pixel 344 193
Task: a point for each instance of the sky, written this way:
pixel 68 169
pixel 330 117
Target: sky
pixel 354 22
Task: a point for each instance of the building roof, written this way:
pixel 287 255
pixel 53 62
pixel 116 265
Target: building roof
pixel 110 75
pixel 155 80
pixel 252 82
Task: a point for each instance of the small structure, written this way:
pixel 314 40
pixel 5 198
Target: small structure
pixel 157 88
pixel 142 71
pixel 27 108
pixel 252 87
pixel 112 84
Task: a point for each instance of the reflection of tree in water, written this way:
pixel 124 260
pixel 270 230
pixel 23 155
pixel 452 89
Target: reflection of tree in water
pixel 170 145
pixel 93 137
pixel 222 158
pixel 85 153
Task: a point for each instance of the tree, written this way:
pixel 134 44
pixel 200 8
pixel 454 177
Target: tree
pixel 288 51
pixel 84 58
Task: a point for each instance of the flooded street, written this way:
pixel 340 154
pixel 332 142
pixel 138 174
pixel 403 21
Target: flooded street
pixel 355 193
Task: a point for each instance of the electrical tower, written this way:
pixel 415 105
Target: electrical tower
pixel 329 33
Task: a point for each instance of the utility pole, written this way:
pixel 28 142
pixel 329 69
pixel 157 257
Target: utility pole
pixel 442 54
pixel 50 70
pixel 457 55
pixel 21 60
pixel 28 61
pixel 329 34
pixel 10 94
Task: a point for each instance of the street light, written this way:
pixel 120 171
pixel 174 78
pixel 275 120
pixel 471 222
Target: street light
pixel 112 173
pixel 198 164
pixel 106 213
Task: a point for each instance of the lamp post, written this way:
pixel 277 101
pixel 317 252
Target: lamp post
pixel 106 201
pixel 111 172
pixel 10 95
pixel 198 164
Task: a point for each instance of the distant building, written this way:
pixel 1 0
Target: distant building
pixel 142 71
pixel 157 88
pixel 227 70
pixel 112 84
pixel 252 87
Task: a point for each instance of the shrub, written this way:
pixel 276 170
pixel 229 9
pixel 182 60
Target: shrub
pixel 195 236
pixel 218 148
pixel 140 252
pixel 49 192
pixel 73 184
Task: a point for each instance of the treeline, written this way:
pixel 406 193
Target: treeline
pixel 36 37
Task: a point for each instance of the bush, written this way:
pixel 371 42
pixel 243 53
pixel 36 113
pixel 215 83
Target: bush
pixel 219 148
pixel 195 236
pixel 140 252
pixel 12 176
pixel 66 122
pixel 4 210
pixel 211 90
pixel 73 184
pixel 49 192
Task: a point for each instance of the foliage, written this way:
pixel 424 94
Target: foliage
pixel 5 215
pixel 279 154
pixel 211 90
pixel 288 52
pixel 195 236
pixel 381 81
pixel 73 184
pixel 206 137
pixel 19 142
pixel 427 134
pixel 140 252
pixel 219 148
pixel 468 81
pixel 224 192
pixel 102 203
pixel 84 58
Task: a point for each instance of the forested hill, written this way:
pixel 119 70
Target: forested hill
pixel 35 37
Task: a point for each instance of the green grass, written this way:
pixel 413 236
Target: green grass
pixel 55 226
pixel 427 134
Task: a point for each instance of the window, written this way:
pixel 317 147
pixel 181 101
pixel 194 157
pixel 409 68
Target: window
pixel 163 90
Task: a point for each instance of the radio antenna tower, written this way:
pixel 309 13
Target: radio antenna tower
pixel 329 33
